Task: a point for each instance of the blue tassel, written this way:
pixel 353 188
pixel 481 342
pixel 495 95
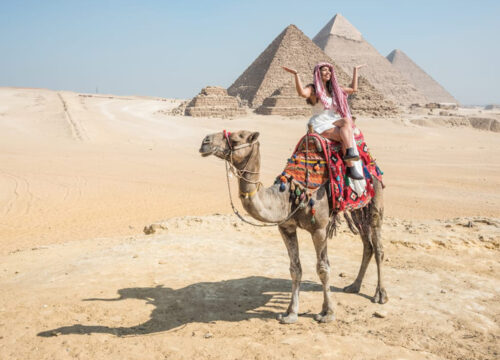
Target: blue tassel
pixel 282 187
pixel 311 202
pixel 367 173
pixel 379 172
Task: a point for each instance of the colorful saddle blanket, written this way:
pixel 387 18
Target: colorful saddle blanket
pixel 309 160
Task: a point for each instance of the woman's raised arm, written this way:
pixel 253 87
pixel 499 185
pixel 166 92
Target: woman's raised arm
pixel 354 83
pixel 304 92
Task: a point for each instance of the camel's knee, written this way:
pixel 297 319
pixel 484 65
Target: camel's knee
pixel 379 251
pixel 295 271
pixel 367 249
pixel 323 269
pixel 377 217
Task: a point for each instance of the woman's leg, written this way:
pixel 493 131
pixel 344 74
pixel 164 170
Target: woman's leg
pixel 342 132
pixel 345 127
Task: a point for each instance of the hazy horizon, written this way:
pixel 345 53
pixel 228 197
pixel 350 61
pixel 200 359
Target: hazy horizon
pixel 172 50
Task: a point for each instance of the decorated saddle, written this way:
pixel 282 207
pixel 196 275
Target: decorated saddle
pixel 317 161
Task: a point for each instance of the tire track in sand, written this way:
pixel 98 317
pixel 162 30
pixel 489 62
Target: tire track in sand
pixel 78 132
pixel 22 188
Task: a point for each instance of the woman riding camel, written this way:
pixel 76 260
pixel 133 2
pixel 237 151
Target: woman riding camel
pixel 332 117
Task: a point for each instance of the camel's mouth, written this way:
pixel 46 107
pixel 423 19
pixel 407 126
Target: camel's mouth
pixel 205 154
pixel 206 151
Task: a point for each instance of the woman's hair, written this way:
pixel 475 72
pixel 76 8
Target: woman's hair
pixel 308 100
pixel 332 88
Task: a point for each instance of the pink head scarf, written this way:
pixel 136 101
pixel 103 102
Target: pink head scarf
pixel 339 97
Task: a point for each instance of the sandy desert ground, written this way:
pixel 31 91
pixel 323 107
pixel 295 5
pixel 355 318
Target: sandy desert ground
pixel 81 175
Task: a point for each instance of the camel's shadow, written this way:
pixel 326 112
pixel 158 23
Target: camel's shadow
pixel 231 300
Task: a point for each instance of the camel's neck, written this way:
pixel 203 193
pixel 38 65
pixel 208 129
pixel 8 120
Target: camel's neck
pixel 268 205
pixel 249 171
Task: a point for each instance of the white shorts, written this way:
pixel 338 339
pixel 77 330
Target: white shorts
pixel 324 121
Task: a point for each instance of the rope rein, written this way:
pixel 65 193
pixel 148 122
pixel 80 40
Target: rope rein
pixel 240 174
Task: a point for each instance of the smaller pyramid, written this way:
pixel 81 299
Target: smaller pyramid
pixel 432 90
pixel 213 101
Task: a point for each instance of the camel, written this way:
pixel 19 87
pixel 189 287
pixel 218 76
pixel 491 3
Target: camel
pixel 270 205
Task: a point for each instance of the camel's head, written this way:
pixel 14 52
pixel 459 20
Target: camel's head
pixel 226 145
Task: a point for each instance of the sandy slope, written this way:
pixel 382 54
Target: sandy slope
pixel 81 175
pixel 108 165
pixel 210 288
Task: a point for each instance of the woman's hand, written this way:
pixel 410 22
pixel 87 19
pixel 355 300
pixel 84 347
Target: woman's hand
pixel 291 71
pixel 357 67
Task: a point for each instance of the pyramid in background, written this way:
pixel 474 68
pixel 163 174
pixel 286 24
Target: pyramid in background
pixel 432 90
pixel 344 43
pixel 264 76
pixel 265 79
pixel 214 101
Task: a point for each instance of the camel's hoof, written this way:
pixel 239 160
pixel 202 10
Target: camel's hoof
pixel 287 318
pixel 352 289
pixel 324 318
pixel 380 296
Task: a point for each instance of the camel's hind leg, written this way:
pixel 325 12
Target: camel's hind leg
pixel 369 223
pixel 289 235
pixel 367 252
pixel 323 270
pixel 377 215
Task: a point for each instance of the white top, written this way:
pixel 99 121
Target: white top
pixel 322 118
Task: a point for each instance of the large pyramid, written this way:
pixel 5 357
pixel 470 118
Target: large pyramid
pixel 418 77
pixel 344 43
pixel 265 79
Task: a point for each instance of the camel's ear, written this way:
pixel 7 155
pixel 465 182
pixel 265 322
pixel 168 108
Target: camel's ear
pixel 253 137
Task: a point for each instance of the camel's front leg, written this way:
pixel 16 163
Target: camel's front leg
pixel 289 235
pixel 323 269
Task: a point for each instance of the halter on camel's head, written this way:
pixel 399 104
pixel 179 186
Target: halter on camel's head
pixel 227 145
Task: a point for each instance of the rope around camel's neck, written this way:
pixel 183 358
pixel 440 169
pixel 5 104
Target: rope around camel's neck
pixel 249 174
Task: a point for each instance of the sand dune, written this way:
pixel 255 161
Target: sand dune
pixel 82 174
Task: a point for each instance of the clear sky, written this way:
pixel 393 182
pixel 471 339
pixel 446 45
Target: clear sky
pixel 174 48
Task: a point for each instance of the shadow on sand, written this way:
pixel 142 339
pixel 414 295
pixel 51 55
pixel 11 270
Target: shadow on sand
pixel 231 300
